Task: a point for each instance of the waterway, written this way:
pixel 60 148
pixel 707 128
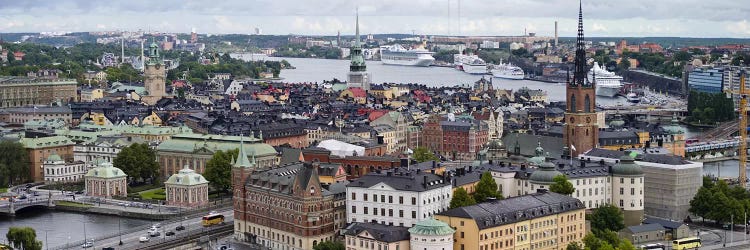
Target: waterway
pixel 64 227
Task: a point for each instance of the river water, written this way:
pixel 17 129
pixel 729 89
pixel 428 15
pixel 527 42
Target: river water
pixel 64 227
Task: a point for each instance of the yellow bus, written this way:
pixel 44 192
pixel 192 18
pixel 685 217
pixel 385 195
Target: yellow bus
pixel 686 243
pixel 212 219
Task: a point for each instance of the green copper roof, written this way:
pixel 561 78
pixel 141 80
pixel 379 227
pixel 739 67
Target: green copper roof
pixel 627 166
pixel 54 157
pixel 358 60
pixel 431 227
pixel 106 171
pixel 44 142
pixel 188 143
pixel 186 177
pixel 545 174
pixel 242 161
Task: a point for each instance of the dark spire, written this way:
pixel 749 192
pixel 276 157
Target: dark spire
pixel 579 75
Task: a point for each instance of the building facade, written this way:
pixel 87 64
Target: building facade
pixel 535 221
pixel 21 91
pixel 21 115
pixel 106 181
pixel 397 197
pixel 40 148
pixel 154 76
pixel 703 79
pixel 186 189
pixel 56 170
pixel 431 234
pixel 368 236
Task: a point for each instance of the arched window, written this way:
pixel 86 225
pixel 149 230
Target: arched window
pixel 587 103
pixel 572 103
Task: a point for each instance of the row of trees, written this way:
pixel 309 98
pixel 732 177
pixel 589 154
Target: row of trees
pixel 657 62
pixel 14 163
pixel 606 221
pixel 719 202
pixel 707 108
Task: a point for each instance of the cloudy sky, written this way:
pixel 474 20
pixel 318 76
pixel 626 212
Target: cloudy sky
pixel 686 18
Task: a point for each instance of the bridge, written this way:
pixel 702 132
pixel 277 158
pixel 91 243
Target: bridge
pixel 14 205
pixel 710 151
pixel 723 131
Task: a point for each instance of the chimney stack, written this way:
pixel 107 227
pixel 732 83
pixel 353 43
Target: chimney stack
pixel 556 34
pixel 424 181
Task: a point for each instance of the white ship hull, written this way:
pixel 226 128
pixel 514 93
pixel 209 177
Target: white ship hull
pixel 607 91
pixel 479 69
pixel 420 62
pixel 507 76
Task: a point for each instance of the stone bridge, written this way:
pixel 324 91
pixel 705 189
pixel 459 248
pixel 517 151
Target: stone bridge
pixel 15 205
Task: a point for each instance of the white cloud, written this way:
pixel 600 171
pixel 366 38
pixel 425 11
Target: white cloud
pixel 740 28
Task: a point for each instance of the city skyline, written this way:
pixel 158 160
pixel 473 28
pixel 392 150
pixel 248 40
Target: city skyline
pixel 496 18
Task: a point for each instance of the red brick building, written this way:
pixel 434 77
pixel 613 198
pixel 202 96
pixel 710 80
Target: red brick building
pixel 354 166
pixel 457 139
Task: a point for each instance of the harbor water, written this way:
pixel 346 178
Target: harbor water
pixel 60 228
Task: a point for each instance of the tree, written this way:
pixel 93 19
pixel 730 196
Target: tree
pixel 607 217
pixel 624 63
pixel 703 202
pixel 562 185
pixel 461 198
pixel 138 161
pixel 23 238
pixel 14 163
pixel 423 154
pixel 219 169
pixel 11 57
pixel 574 246
pixel 329 245
pixel 486 188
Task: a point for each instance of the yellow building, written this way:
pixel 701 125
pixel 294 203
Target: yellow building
pixel 535 221
pixel 380 90
pixel 97 118
pixel 91 94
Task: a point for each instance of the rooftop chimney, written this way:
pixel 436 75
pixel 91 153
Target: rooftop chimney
pixel 424 181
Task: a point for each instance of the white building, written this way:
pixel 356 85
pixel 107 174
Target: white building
pixel 671 181
pixel 431 234
pixel 234 88
pixel 57 170
pixel 397 198
pixel 104 148
pixel 596 182
pixel 368 236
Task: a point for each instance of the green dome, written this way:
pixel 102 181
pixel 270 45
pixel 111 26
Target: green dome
pixel 545 174
pixel 54 157
pixel 186 177
pixel 106 171
pixel 627 166
pixel 431 226
pixel 539 156
pixel 617 122
pixel 674 128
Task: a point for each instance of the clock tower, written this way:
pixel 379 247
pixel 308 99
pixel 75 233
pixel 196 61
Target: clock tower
pixel 154 76
pixel 581 129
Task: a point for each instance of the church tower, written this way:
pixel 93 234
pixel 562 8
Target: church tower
pixel 155 76
pixel 581 132
pixel 241 170
pixel 358 76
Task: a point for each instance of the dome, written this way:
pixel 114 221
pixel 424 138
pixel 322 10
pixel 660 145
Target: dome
pixel 54 157
pixel 186 177
pixel 107 171
pixel 539 156
pixel 627 166
pixel 545 174
pixel 431 226
pixel 674 128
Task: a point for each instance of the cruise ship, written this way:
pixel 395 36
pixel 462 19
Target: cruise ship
pixel 607 83
pixel 398 55
pixel 470 64
pixel 507 71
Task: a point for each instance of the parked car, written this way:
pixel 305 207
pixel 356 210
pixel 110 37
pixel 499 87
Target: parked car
pixel 88 243
pixel 79 192
pixel 144 239
pixel 179 228
pixel 170 233
pixel 157 225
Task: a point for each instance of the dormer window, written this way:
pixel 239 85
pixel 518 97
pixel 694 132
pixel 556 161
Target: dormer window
pixel 312 190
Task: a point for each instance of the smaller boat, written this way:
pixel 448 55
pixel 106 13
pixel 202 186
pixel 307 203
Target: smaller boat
pixel 633 97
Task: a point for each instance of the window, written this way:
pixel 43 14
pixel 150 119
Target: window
pixel 622 204
pixel 413 214
pixel 390 199
pixel 632 191
pixel 390 212
pixel 365 196
pixel 622 191
pixel 632 180
pixel 366 210
pixel 622 180
pixel 400 200
pixel 401 213
pixel 354 209
pixel 382 198
pixel 354 196
pixel 462 236
pixel 375 198
pixel 414 200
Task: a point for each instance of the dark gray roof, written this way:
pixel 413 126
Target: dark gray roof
pixel 645 228
pixel 669 224
pixel 379 232
pixel 401 179
pixel 654 158
pixel 520 208
pixel 528 143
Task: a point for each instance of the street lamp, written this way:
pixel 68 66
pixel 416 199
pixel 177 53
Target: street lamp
pixel 119 228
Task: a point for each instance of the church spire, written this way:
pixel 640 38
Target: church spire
pixel 579 75
pixel 356 34
pixel 242 161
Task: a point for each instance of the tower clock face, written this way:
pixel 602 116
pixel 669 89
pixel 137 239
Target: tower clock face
pixel 588 119
pixel 572 119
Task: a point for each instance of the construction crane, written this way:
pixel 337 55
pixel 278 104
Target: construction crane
pixel 743 93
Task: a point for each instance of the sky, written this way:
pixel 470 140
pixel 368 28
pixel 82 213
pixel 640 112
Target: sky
pixel 602 18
